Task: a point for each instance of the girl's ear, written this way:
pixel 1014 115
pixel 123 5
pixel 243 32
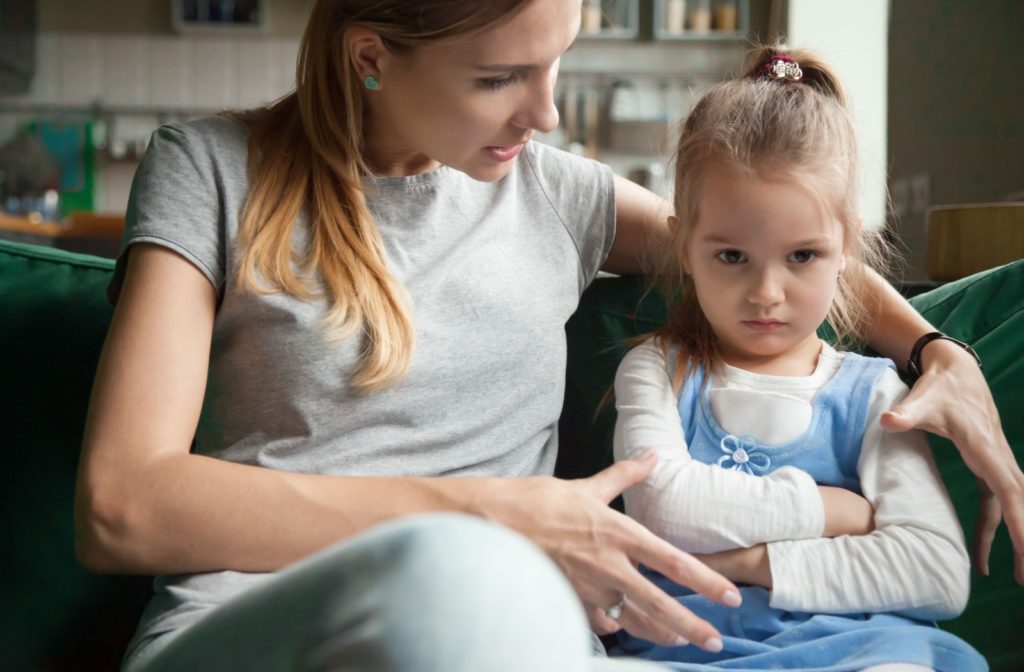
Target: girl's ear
pixel 846 244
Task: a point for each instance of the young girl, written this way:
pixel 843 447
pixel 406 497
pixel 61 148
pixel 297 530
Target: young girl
pixel 738 386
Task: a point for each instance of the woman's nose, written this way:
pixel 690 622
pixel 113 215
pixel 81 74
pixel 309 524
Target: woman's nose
pixel 538 110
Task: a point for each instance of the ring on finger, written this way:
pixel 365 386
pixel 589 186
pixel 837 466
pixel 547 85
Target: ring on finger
pixel 615 611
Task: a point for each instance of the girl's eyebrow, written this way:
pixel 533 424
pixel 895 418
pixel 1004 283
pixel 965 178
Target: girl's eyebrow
pixel 813 242
pixel 715 239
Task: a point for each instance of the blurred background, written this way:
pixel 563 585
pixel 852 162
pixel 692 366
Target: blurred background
pixel 935 87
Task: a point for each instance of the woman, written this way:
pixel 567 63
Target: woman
pixel 354 292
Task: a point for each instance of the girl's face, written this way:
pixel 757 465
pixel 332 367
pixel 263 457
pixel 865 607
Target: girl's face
pixel 471 104
pixel 765 257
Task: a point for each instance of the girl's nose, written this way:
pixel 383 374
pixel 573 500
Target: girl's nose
pixel 767 289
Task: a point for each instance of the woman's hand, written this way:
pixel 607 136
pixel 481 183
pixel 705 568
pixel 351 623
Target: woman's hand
pixel 599 549
pixel 952 399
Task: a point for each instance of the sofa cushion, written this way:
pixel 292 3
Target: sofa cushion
pixel 987 311
pixel 53 318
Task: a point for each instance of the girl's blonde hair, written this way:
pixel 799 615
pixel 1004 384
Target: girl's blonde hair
pixel 306 154
pixel 755 125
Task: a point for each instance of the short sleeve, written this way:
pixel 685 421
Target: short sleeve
pixel 181 197
pixel 581 192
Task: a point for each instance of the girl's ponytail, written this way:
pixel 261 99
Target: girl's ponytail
pixel 815 72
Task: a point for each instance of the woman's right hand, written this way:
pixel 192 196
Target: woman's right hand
pixel 598 549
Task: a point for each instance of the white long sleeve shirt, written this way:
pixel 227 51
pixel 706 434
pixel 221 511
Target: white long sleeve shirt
pixel 914 562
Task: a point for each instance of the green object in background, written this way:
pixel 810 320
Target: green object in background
pixel 55 615
pixel 71 144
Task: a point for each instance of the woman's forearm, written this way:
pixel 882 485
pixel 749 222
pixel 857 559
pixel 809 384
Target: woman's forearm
pixel 895 325
pixel 191 513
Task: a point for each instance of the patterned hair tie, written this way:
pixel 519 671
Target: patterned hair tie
pixel 781 68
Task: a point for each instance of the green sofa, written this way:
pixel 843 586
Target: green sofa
pixel 53 317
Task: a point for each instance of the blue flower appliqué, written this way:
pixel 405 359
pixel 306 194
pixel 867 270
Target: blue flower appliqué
pixel 741 454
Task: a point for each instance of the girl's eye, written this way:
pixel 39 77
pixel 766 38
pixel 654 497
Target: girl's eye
pixel 802 256
pixel 495 83
pixel 732 256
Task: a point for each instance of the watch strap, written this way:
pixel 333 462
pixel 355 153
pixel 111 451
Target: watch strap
pixel 914 362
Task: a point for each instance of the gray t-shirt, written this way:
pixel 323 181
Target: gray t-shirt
pixel 494 270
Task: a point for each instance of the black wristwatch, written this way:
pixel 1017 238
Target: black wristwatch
pixel 914 363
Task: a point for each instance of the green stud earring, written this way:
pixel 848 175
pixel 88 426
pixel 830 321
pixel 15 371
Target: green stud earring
pixel 371 82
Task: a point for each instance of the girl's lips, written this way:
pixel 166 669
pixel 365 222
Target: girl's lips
pixel 763 325
pixel 502 154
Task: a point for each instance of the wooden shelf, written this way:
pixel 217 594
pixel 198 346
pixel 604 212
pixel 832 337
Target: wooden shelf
pixel 78 225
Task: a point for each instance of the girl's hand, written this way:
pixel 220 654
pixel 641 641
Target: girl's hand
pixel 846 512
pixel 951 399
pixel 746 565
pixel 598 549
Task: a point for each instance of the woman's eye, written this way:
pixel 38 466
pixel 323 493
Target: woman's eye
pixel 803 256
pixel 732 256
pixel 495 83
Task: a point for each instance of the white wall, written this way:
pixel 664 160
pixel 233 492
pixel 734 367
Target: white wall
pixel 853 36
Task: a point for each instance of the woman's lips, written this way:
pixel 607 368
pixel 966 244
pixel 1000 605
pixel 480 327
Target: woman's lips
pixel 763 325
pixel 502 154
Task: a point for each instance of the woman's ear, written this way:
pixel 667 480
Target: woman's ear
pixel 367 53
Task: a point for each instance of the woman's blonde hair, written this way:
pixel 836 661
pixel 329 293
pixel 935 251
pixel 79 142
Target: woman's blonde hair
pixel 306 153
pixel 756 125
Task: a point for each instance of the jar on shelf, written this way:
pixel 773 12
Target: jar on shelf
pixel 675 17
pixel 724 16
pixel 700 16
pixel 591 21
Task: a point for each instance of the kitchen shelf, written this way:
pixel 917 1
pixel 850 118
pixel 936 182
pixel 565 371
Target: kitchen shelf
pixel 219 17
pixel 610 20
pixel 714 13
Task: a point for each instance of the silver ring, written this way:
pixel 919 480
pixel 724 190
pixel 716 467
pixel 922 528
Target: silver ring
pixel 615 611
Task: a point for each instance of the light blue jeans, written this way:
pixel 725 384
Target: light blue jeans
pixel 437 592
